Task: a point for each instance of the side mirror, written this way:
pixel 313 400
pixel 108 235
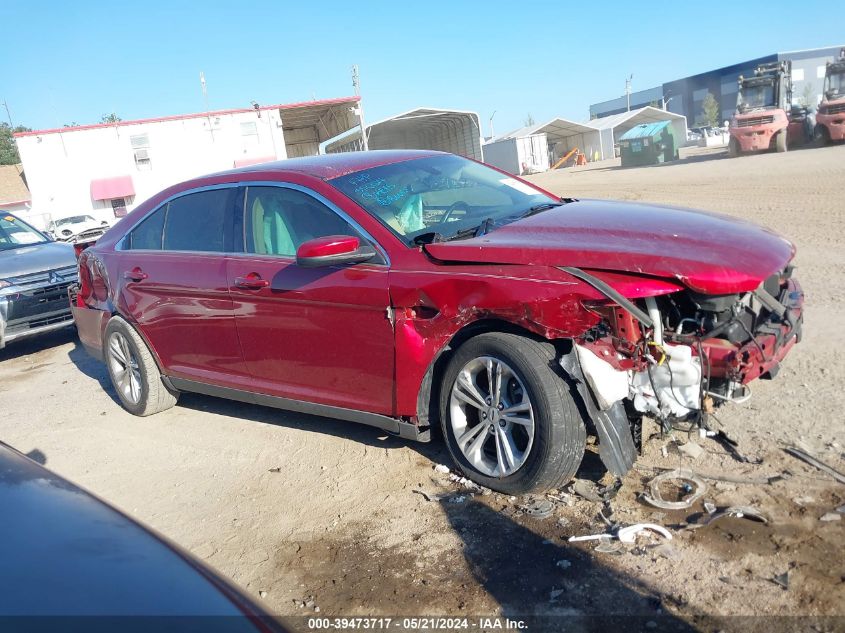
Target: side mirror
pixel 332 251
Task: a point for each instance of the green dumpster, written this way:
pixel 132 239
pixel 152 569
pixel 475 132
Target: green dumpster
pixel 648 144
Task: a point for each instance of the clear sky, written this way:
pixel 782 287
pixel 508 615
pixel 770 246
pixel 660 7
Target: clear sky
pixel 74 61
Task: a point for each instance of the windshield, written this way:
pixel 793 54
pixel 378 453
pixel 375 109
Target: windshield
pixel 441 195
pixel 75 219
pixel 15 233
pixel 759 96
pixel 835 85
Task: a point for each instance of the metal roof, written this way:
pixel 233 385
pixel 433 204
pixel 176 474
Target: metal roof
pixel 456 131
pixel 648 114
pixel 294 115
pixel 644 130
pixel 554 130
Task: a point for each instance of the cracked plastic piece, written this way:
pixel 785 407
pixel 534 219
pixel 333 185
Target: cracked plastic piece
pixel 616 445
pixel 656 499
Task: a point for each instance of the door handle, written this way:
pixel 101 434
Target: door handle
pixel 136 274
pixel 252 281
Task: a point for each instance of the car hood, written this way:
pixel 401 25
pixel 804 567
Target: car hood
pixel 707 252
pixel 35 258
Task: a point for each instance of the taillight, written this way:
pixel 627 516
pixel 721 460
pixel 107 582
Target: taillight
pixel 78 247
pixel 85 283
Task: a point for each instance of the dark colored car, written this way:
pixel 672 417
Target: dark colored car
pixel 35 273
pixel 401 288
pixel 66 553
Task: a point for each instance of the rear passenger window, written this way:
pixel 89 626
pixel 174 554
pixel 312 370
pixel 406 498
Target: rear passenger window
pixel 147 235
pixel 196 222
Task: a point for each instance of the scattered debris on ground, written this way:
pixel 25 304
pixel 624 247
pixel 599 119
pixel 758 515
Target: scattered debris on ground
pixel 690 488
pixel 806 457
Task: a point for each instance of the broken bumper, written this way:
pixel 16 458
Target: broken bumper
pixel 90 323
pixel 762 355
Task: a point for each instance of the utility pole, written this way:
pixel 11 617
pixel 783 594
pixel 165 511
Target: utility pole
pixel 8 114
pixel 628 90
pixel 205 101
pixel 491 124
pixel 356 83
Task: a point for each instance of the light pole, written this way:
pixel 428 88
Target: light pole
pixel 356 83
pixel 491 124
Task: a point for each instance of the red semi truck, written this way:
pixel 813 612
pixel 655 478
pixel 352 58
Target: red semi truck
pixel 830 119
pixel 765 118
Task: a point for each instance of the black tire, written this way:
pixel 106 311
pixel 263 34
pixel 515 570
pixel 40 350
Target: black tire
pixel 733 148
pixel 821 137
pixel 559 432
pixel 153 394
pixel 781 144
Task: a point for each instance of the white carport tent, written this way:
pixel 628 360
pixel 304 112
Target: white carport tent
pixel 612 127
pixel 455 131
pixel 564 135
pixel 306 125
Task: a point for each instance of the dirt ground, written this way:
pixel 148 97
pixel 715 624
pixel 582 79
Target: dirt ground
pixel 340 527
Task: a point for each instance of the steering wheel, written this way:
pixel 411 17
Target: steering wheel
pixel 455 206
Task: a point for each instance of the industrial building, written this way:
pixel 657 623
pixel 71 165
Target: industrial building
pixel 455 131
pixel 685 96
pixel 105 170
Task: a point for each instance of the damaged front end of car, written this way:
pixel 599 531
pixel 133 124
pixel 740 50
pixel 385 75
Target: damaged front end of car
pixel 677 356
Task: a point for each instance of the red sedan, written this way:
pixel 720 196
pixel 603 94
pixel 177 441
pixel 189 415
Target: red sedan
pixel 403 289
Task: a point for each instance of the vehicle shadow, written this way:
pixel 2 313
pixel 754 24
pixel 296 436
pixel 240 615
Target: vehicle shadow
pixel 368 435
pixel 92 368
pixel 371 436
pixel 28 346
pixel 549 584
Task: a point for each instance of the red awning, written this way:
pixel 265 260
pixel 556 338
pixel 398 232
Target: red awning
pixel 246 162
pixel 110 188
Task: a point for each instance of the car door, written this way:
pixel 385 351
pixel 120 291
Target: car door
pixel 173 285
pixel 313 334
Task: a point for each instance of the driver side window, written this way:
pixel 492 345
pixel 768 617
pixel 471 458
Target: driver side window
pixel 278 220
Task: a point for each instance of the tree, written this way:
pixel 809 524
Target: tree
pixel 110 118
pixel 710 110
pixel 808 97
pixel 8 149
pixel 529 120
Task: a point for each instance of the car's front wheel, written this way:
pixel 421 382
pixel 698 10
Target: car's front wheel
pixel 133 371
pixel 508 417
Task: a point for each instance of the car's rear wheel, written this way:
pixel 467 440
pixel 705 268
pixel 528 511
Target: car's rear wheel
pixel 508 417
pixel 133 371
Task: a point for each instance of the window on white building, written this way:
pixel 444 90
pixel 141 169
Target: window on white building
pixel 139 140
pixel 141 148
pixel 820 70
pixel 797 74
pixel 118 206
pixel 249 129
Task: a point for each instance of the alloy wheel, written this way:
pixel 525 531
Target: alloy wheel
pixel 124 368
pixel 492 417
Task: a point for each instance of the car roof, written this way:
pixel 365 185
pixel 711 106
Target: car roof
pixel 327 166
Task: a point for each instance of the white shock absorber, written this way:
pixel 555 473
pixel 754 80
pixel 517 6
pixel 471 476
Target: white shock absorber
pixel 654 313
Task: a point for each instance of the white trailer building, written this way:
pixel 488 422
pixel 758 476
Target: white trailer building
pixel 519 155
pixel 105 170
